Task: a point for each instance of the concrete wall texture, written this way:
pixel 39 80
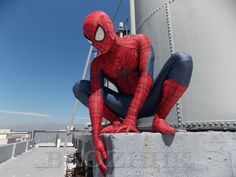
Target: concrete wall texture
pixel 20 148
pixel 187 154
pixel 8 151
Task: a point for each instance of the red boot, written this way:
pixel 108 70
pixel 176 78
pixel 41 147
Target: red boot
pixel 109 115
pixel 171 92
pixel 113 118
pixel 160 125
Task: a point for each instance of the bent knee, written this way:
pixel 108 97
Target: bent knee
pixel 183 60
pixel 80 89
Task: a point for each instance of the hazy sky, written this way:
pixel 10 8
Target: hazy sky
pixel 42 55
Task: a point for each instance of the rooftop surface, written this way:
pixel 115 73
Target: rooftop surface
pixel 38 162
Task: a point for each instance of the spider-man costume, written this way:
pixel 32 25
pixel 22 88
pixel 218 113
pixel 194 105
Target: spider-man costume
pixel 128 62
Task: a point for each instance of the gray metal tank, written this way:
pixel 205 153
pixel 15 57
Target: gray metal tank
pixel 206 29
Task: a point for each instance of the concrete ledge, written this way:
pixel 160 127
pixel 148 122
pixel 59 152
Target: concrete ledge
pixel 187 154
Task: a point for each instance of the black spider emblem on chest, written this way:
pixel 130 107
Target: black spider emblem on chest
pixel 124 72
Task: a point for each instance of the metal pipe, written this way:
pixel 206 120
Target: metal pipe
pixel 132 17
pixel 117 10
pixel 121 29
pixel 87 62
pixel 75 107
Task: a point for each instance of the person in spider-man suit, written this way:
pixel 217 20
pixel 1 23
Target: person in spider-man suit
pixel 129 63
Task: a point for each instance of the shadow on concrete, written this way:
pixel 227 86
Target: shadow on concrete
pixel 168 139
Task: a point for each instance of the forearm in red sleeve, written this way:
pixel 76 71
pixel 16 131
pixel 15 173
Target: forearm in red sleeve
pixel 95 99
pixel 139 98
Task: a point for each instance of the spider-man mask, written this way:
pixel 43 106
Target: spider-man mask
pixel 99 29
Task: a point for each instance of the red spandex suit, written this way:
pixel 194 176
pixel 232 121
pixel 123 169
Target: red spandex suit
pixel 129 63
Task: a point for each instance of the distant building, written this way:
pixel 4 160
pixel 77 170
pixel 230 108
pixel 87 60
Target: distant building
pixel 5 131
pixel 21 136
pixel 8 136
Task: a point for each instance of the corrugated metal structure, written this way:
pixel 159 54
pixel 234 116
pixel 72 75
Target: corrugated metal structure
pixel 207 31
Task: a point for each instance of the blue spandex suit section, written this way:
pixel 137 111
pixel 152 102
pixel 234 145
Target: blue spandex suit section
pixel 178 68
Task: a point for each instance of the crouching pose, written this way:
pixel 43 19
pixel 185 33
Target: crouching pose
pixel 128 62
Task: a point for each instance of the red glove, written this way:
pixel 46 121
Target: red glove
pixel 128 125
pixel 112 127
pixel 100 154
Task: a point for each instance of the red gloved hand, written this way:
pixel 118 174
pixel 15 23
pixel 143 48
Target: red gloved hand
pixel 100 155
pixel 111 128
pixel 129 125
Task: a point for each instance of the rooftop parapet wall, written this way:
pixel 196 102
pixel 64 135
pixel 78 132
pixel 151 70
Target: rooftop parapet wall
pixel 195 154
pixel 9 151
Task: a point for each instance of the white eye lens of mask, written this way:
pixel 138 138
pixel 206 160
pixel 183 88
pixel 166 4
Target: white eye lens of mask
pixel 100 34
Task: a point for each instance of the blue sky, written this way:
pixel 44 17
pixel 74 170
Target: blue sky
pixel 42 55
